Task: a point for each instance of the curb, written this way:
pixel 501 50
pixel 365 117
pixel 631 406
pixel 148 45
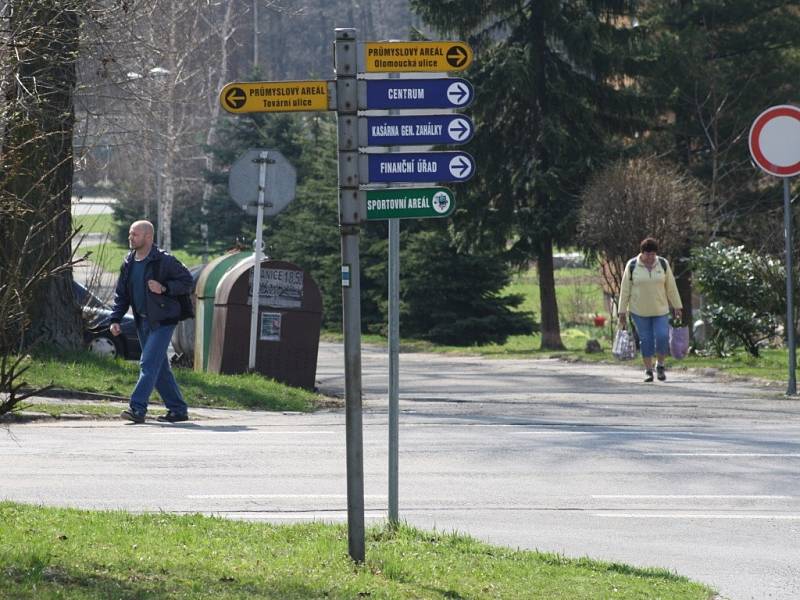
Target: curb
pixel 74 394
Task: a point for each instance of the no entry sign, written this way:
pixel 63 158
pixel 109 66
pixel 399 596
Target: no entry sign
pixel 775 140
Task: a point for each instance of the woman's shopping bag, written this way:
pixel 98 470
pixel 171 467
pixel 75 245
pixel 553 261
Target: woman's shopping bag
pixel 624 347
pixel 679 341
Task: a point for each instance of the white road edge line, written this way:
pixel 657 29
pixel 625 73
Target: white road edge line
pixel 601 432
pixel 177 430
pixel 728 454
pixel 698 516
pixel 275 496
pixel 294 516
pixel 689 497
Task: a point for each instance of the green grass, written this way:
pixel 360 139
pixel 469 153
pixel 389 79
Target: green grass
pixel 83 371
pixel 109 256
pixel 578 293
pixel 68 554
pixel 772 365
pixel 101 223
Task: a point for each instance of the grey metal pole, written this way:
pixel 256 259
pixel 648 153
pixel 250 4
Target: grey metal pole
pixel 394 360
pixel 263 157
pixel 791 389
pixel 394 369
pixel 345 51
pixel 255 34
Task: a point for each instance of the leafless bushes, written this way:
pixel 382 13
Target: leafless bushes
pixel 634 199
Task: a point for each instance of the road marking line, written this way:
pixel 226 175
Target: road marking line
pixel 689 497
pixel 317 516
pixel 176 430
pixel 601 432
pixel 698 516
pixel 273 496
pixel 729 454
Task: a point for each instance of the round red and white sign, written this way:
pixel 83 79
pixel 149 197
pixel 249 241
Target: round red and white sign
pixel 775 140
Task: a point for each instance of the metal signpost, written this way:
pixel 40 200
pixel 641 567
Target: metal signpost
pixel 775 147
pixel 257 179
pixel 349 223
pixel 262 182
pixel 395 168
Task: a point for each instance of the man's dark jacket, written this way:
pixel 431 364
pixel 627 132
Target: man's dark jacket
pixel 162 309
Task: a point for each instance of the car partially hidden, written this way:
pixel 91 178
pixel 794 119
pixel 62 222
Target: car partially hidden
pixel 97 319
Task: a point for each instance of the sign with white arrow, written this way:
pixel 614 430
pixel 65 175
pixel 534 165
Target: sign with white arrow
pixel 404 57
pixel 387 94
pixel 429 167
pixel 414 130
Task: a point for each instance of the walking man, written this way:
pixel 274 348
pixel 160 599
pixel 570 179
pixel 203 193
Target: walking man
pixel 149 281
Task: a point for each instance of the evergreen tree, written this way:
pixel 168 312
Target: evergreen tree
pixel 452 297
pixel 549 96
pixel 307 232
pixel 718 64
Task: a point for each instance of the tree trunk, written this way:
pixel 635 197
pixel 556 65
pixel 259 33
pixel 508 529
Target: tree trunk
pixel 38 164
pixel 551 330
pixel 170 136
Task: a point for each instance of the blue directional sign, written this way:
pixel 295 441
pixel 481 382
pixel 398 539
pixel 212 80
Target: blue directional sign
pixel 414 130
pixel 417 167
pixel 385 94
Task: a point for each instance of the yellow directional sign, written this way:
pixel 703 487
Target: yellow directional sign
pixel 275 96
pixel 399 57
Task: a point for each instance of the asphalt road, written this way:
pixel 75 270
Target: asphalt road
pixel 696 475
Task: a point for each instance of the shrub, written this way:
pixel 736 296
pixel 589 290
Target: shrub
pixel 744 294
pixel 632 199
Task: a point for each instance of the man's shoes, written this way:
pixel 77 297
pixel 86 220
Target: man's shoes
pixel 129 415
pixel 172 417
pixel 660 373
pixel 648 376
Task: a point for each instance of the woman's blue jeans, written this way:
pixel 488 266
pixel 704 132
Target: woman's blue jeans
pixel 154 371
pixel 653 334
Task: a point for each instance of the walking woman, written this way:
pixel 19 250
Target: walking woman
pixel 649 291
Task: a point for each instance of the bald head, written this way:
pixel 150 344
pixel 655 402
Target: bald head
pixel 140 238
pixel 145 227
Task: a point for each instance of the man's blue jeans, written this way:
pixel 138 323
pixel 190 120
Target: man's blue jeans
pixel 154 371
pixel 653 334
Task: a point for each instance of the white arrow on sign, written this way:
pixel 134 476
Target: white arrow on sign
pixel 458 94
pixel 459 129
pixel 460 167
